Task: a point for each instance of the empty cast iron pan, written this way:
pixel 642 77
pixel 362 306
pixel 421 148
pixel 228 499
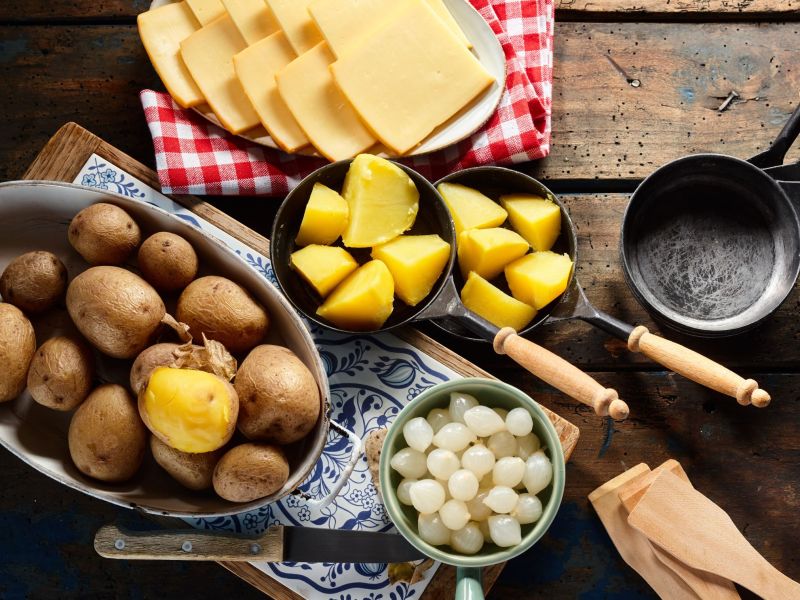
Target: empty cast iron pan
pixel 710 243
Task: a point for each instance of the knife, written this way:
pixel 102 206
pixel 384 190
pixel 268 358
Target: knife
pixel 279 543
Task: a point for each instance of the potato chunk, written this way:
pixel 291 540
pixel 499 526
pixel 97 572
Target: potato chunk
pixel 363 301
pixel 488 251
pixel 539 278
pixel 415 262
pixel 324 219
pixel 323 267
pixel 494 305
pixel 383 201
pixel 536 219
pixel 470 209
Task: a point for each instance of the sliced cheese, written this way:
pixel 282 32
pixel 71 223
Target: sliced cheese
pixel 252 18
pixel 162 30
pixel 256 67
pixel 445 15
pixel 326 117
pixel 343 23
pixel 208 53
pixel 293 18
pixel 206 11
pixel 409 76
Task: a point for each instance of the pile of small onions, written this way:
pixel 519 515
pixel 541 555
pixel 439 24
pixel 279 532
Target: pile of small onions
pixel 472 472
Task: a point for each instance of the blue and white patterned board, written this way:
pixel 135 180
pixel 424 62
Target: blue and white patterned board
pixel 371 379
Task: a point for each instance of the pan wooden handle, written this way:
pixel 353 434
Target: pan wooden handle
pixel 697 367
pixel 560 374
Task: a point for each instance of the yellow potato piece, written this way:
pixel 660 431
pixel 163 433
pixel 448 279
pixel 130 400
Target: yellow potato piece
pixel 363 301
pixel 494 305
pixel 536 219
pixel 324 219
pixel 383 201
pixel 470 209
pixel 415 262
pixel 488 251
pixel 539 278
pixel 323 267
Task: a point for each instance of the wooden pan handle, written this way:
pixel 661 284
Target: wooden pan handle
pixel 560 374
pixel 697 367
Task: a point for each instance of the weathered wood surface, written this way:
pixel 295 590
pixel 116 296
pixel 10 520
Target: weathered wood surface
pixel 602 127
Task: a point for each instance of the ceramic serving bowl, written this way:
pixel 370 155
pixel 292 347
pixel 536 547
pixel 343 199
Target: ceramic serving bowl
pixel 495 394
pixel 35 216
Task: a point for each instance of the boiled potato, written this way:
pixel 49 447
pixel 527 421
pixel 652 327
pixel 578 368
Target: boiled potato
pixel 279 399
pixel 189 410
pixel 250 471
pixel 363 301
pixel 415 262
pixel 223 311
pixel 323 267
pixel 157 355
pixel 116 310
pixel 537 219
pixel 17 345
pixel 106 436
pixel 104 234
pixel 167 262
pixel 324 219
pixel 488 251
pixel 61 373
pixel 539 278
pixel 494 305
pixel 34 282
pixel 470 209
pixel 192 470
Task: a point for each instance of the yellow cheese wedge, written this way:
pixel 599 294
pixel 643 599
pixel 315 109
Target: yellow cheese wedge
pixel 325 217
pixel 256 67
pixel 415 262
pixel 446 16
pixel 409 76
pixel 344 23
pixel 323 267
pixel 488 251
pixel 206 11
pixel 539 278
pixel 162 30
pixel 252 18
pixel 538 220
pixel 363 301
pixel 296 23
pixel 208 53
pixel 494 305
pixel 326 117
pixel 469 208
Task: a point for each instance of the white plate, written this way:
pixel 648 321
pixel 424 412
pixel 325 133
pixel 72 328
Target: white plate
pixel 462 125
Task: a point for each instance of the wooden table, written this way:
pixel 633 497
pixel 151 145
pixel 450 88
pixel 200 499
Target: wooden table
pixel 62 60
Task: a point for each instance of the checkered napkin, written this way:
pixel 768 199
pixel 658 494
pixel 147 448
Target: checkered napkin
pixel 196 157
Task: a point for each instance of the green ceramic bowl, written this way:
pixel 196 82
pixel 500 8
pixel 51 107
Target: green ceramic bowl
pixel 495 394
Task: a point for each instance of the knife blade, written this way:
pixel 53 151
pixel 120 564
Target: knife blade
pixel 279 543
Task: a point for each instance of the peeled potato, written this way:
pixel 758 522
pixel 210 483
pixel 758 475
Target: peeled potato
pixel 104 234
pixel 167 261
pixel 34 282
pixel 250 471
pixel 279 399
pixel 61 373
pixel 106 436
pixel 17 345
pixel 192 470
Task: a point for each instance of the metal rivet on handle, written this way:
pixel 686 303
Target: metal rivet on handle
pixel 187 546
pixel 255 548
pixel 119 544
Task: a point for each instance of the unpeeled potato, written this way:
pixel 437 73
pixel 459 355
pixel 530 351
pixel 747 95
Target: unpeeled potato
pixel 167 261
pixel 61 373
pixel 34 282
pixel 250 471
pixel 17 345
pixel 157 355
pixel 104 234
pixel 192 470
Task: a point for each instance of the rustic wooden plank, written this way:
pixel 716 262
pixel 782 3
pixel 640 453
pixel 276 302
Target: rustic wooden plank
pixel 27 10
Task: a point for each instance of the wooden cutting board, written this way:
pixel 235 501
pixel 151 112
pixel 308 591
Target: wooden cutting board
pixel 62 159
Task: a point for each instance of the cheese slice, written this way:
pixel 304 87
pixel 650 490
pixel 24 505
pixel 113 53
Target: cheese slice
pixel 293 18
pixel 343 23
pixel 162 30
pixel 409 76
pixel 206 11
pixel 208 53
pixel 252 18
pixel 256 67
pixel 326 117
pixel 445 15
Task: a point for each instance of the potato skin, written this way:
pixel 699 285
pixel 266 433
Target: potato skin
pixel 116 310
pixel 61 373
pixel 279 399
pixel 34 282
pixel 104 234
pixel 107 438
pixel 250 471
pixel 193 471
pixel 224 311
pixel 167 261
pixel 157 355
pixel 17 345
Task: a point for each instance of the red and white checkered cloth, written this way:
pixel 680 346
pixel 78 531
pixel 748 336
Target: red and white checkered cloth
pixel 196 157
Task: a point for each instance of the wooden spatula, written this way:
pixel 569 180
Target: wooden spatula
pixel 685 523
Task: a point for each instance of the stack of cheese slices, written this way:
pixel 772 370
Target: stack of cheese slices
pixel 338 75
